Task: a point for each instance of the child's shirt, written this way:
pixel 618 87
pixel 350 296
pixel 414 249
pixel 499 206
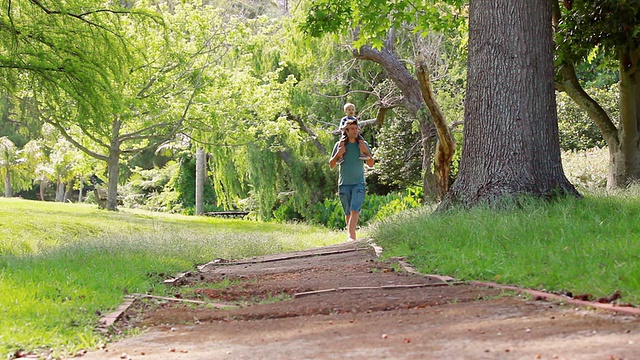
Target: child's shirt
pixel 343 121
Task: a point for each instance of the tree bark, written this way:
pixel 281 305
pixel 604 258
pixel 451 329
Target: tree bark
pixel 7 184
pixel 43 185
pixel 511 144
pixel 112 166
pixel 624 167
pixel 445 146
pixel 59 190
pixel 113 172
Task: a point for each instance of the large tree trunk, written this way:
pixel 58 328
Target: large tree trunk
pixel 624 167
pixel 43 185
pixel 68 191
pixel 59 190
pixel 112 166
pixel 112 183
pixel 511 145
pixel 7 184
pixel 200 180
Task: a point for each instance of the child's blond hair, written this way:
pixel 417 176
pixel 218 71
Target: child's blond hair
pixel 347 105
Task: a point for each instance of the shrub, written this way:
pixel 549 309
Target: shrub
pixel 577 131
pixel 376 207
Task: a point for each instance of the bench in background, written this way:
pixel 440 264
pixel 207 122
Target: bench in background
pixel 227 214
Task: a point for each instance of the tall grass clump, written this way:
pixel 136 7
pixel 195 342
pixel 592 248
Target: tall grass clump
pixel 64 265
pixel 585 246
pixel 587 169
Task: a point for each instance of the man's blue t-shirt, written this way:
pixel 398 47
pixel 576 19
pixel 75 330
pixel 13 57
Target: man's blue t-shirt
pixel 351 171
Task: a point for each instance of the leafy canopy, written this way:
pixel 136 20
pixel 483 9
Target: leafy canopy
pixel 586 27
pixel 373 18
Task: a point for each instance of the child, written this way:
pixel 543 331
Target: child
pixel 350 112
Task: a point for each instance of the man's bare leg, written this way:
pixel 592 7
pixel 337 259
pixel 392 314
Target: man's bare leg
pixel 352 223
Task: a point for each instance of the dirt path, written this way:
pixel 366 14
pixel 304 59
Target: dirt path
pixel 368 310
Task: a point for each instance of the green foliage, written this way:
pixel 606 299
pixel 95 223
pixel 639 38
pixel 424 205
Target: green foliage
pixel 146 189
pixel 411 199
pixel 329 212
pixel 374 19
pixel 577 130
pixel 577 246
pixel 310 182
pixel 285 211
pixel 612 26
pixel 399 152
pixel 263 167
pixel 18 119
pixel 183 182
pixel 167 189
pixel 72 49
pixel 325 17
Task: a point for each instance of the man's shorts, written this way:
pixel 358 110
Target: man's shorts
pixel 352 197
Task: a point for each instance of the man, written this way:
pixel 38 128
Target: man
pixel 351 181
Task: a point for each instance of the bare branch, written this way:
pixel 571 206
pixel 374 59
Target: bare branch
pixel 82 16
pixel 70 139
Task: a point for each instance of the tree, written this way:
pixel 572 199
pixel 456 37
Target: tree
pixel 611 28
pixel 73 55
pixel 510 136
pixel 166 71
pixel 511 144
pixel 375 39
pixel 38 165
pixel 263 123
pixel 11 167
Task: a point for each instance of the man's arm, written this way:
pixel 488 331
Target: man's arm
pixel 337 154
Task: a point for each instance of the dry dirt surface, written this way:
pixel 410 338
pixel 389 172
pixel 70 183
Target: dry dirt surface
pixel 341 302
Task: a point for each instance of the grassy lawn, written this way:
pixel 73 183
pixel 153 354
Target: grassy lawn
pixel 586 246
pixel 62 265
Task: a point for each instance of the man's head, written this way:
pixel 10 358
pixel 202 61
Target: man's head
pixel 350 109
pixel 351 129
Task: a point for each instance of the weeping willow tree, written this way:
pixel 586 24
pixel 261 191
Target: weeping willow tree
pixel 264 168
pixel 261 120
pixel 72 57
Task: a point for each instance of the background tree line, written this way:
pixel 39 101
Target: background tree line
pixel 129 92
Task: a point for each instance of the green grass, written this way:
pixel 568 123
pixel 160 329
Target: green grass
pixel 586 246
pixel 61 265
